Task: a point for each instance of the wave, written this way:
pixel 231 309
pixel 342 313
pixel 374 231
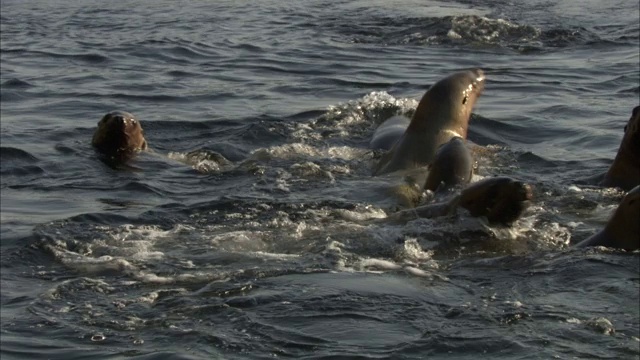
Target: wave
pixel 465 30
pixel 16 162
pixel 16 83
pixel 11 154
pixel 90 57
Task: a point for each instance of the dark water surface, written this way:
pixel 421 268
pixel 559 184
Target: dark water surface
pixel 284 252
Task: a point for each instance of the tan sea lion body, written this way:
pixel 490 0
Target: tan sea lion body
pixel 625 170
pixel 451 166
pixel 119 136
pixel 443 113
pixel 623 228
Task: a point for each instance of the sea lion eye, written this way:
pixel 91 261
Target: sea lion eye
pixel 464 100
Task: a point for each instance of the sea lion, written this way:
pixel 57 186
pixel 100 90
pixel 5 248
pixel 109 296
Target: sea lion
pixel 623 228
pixel 389 132
pixel 625 170
pixel 451 166
pixel 443 113
pixel 500 199
pixel 119 136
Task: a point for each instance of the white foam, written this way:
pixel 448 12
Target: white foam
pixel 483 29
pixel 199 162
pixel 417 272
pixel 368 213
pixel 601 325
pixel 354 117
pixel 411 250
pixel 238 240
pixel 574 188
pixel 302 151
pixel 311 170
pixel 378 263
pixel 515 304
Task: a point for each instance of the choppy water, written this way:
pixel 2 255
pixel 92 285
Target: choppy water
pixel 285 252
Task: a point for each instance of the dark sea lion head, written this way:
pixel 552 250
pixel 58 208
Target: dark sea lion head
pixel 448 103
pixel 624 225
pixel 119 136
pixel 623 228
pixel 452 166
pixel 631 138
pixel 501 199
pixel 624 172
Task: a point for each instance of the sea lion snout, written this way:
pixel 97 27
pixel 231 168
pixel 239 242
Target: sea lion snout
pixel 122 120
pixel 479 74
pixel 476 85
pixel 479 79
pixel 118 118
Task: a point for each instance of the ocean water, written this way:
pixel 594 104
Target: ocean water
pixel 286 251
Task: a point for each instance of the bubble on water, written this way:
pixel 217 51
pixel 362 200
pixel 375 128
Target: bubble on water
pixel 98 337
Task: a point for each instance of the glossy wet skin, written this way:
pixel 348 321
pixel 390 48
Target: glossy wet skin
pixel 119 136
pixel 389 132
pixel 625 169
pixel 449 100
pixel 452 166
pixel 624 225
pixel 443 113
pixel 623 228
pixel 501 199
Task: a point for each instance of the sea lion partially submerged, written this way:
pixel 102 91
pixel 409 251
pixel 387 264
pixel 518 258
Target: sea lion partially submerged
pixel 623 228
pixel 119 136
pixel 443 113
pixel 451 166
pixel 500 199
pixel 625 170
pixel 389 132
